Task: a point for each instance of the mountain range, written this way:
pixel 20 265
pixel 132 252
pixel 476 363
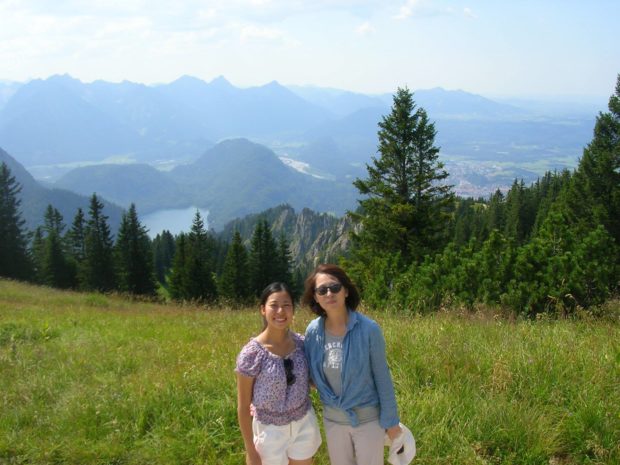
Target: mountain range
pixel 233 150
pixel 232 179
pixel 35 198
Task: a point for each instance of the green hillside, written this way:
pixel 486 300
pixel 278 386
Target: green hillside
pixel 96 379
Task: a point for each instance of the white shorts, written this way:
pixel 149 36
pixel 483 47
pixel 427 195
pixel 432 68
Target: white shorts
pixel 298 440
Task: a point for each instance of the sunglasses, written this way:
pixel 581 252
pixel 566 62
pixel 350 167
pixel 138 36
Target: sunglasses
pixel 288 371
pixel 333 288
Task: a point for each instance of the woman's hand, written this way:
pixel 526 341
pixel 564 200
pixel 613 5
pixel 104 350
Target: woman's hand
pixel 252 458
pixel 394 432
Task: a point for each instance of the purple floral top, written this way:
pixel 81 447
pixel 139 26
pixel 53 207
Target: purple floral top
pixel 273 402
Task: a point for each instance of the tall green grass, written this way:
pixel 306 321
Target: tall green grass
pixel 94 379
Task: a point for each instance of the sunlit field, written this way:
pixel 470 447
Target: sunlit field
pixel 94 379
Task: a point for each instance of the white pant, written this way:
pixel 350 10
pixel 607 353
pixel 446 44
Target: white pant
pixel 361 445
pixel 298 440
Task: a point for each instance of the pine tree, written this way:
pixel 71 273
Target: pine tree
pixel 515 208
pixel 178 273
pixel 234 281
pixel 193 272
pixel 496 216
pixel 284 262
pixel 56 269
pixel 37 254
pixel 263 257
pixel 134 256
pixel 14 257
pixel 163 254
pixel 406 203
pixel 75 237
pixel 594 196
pixel 97 272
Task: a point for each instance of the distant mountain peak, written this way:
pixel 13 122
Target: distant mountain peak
pixel 221 82
pixel 63 79
pixel 187 79
pixel 273 85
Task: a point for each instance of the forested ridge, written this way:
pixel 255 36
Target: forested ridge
pixel 552 246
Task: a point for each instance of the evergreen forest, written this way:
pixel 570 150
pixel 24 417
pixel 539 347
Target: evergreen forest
pixel 549 247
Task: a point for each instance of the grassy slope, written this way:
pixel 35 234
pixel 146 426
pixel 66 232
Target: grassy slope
pixel 93 379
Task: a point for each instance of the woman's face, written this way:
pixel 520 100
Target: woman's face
pixel 278 310
pixel 329 292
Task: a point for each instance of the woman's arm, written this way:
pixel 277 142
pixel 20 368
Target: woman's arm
pixel 388 415
pixel 245 385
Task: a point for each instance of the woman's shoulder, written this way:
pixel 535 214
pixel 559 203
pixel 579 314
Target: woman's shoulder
pixel 298 339
pixel 251 350
pixel 251 358
pixel 368 323
pixel 313 326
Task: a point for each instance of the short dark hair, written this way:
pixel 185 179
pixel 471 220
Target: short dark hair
pixel 352 300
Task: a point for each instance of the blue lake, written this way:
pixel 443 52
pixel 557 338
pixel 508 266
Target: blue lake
pixel 174 220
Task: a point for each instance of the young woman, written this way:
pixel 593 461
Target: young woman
pixel 276 419
pixel 347 363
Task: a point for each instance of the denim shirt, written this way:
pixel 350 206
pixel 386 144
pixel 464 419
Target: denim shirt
pixel 366 379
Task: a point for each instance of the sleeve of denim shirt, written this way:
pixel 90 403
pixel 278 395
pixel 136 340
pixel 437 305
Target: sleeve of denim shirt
pixel 388 415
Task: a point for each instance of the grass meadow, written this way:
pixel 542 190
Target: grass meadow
pixel 96 379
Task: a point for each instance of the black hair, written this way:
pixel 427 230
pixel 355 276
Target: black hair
pixel 272 289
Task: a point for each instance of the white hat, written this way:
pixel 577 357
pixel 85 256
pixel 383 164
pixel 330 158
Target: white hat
pixel 402 449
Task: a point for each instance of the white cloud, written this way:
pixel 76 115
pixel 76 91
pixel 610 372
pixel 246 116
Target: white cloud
pixel 407 9
pixel 414 8
pixel 207 14
pixel 251 32
pixel 365 29
pixel 469 13
pixel 130 26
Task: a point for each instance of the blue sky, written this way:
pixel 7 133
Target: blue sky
pixel 495 48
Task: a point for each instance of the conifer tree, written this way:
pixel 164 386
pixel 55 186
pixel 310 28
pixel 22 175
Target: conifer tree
pixel 234 281
pixel 56 269
pixel 163 254
pixel 14 257
pixel 594 196
pixel 406 202
pixel 37 254
pixel 496 216
pixel 263 257
pixel 75 237
pixel 97 272
pixel 134 256
pixel 284 263
pixel 178 273
pixel 193 274
pixel 515 212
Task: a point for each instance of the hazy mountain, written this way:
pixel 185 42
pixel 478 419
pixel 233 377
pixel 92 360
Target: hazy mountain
pixel 60 122
pixel 47 122
pixel 438 102
pixel 141 184
pixel 234 178
pixel 7 89
pixel 35 199
pixel 457 104
pixel 490 132
pixel 339 102
pixel 156 118
pixel 238 177
pixel 260 112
